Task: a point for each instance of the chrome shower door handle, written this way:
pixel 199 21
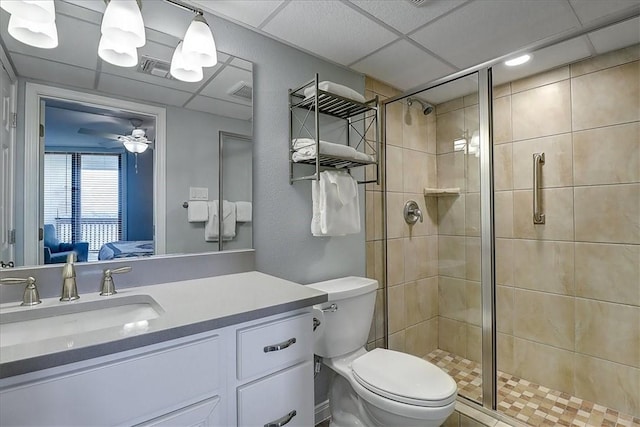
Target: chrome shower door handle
pixel 412 212
pixel 538 161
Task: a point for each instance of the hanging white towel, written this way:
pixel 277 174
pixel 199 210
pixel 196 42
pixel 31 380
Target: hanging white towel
pixel 243 211
pixel 198 211
pixel 335 205
pixel 228 221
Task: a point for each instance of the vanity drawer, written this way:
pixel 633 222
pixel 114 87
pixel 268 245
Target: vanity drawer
pixel 281 397
pixel 265 348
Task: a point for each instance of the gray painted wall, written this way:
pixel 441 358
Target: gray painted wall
pixel 282 212
pixel 192 159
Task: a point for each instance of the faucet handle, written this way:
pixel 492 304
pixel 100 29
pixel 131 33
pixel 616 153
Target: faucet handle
pixel 31 296
pixel 108 287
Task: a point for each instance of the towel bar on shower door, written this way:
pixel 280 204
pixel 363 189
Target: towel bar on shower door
pixel 538 161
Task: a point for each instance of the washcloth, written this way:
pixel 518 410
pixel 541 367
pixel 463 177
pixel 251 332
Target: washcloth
pixel 228 221
pixel 336 208
pixel 243 211
pixel 198 211
pixel 305 149
pixel 335 88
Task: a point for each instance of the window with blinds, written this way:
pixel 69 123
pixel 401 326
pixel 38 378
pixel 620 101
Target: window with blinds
pixel 82 198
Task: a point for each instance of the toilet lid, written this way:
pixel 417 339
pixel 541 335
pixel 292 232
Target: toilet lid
pixel 404 378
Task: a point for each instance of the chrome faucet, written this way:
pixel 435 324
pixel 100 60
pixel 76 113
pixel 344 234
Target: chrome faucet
pixel 108 287
pixel 69 288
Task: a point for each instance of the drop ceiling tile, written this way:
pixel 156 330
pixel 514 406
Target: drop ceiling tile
pixel 155 14
pixel 222 83
pixel 404 16
pixel 241 63
pixel 220 107
pixel 451 90
pixel 250 12
pixel 53 72
pixel 402 65
pixel 329 29
pixel 616 36
pixel 136 90
pixel 487 29
pixel 77 42
pixel 591 10
pixel 545 59
pixel 162 52
pixel 87 10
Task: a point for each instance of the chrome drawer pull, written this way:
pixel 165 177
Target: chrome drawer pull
pixel 282 421
pixel 280 346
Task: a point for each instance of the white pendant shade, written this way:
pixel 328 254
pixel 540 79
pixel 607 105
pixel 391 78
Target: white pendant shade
pixel 122 23
pixel 37 34
pixel 199 46
pixel 184 70
pixel 116 54
pixel 32 10
pixel 134 146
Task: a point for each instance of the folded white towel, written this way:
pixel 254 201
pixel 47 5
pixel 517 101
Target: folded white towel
pixel 198 211
pixel 335 205
pixel 335 88
pixel 243 211
pixel 228 221
pixel 305 149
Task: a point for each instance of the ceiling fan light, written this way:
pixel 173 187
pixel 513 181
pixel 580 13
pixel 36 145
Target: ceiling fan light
pixel 134 146
pixel 184 70
pixel 122 23
pixel 199 46
pixel 43 11
pixel 117 54
pixel 43 35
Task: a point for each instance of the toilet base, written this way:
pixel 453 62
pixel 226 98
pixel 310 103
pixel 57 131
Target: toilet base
pixel 348 409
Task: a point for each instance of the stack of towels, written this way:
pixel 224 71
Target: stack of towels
pixel 305 149
pixel 336 208
pixel 209 212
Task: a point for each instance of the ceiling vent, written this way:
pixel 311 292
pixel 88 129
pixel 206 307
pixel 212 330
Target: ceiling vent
pixel 154 67
pixel 241 90
pixel 417 3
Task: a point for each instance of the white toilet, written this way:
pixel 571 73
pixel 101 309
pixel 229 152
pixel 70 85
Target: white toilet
pixel 380 387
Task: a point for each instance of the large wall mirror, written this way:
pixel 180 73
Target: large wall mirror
pixel 76 184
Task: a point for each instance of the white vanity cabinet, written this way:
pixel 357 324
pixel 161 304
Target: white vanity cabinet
pixel 251 374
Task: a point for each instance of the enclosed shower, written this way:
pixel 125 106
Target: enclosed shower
pixel 521 276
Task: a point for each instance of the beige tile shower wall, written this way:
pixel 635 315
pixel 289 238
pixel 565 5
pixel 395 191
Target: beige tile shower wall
pixel 411 250
pixel 568 293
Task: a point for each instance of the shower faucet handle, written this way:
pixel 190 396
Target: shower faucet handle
pixel 412 212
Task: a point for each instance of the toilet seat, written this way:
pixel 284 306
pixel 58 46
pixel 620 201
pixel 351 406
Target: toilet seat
pixel 404 378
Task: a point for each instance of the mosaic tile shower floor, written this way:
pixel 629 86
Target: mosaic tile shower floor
pixel 528 402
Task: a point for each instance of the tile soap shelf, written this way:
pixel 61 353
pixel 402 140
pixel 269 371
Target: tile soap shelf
pixel 360 118
pixel 441 192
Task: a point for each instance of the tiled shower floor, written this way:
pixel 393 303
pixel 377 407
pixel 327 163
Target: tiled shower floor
pixel 528 402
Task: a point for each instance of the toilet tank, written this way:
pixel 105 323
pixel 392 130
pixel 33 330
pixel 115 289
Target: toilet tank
pixel 345 328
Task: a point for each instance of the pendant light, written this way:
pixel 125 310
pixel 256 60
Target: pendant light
pixel 122 24
pixel 43 35
pixel 42 11
pixel 199 46
pixel 117 54
pixel 184 70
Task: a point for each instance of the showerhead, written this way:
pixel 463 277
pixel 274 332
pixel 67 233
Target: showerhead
pixel 426 107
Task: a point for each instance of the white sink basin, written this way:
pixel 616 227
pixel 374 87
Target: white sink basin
pixel 72 318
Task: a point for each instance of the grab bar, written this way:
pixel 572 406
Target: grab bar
pixel 538 161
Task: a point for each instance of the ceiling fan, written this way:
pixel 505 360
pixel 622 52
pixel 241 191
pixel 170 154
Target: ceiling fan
pixel 136 142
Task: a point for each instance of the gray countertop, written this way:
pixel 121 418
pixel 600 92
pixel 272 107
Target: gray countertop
pixel 188 307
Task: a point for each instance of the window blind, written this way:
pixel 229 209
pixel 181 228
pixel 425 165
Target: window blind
pixel 83 198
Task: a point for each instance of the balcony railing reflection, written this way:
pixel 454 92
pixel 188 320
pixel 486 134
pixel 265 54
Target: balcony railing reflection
pixel 96 231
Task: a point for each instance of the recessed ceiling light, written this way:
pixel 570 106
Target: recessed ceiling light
pixel 517 61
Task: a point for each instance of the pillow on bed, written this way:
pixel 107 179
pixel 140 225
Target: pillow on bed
pixel 340 90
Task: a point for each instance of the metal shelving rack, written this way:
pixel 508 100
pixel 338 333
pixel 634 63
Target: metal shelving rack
pixel 353 112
